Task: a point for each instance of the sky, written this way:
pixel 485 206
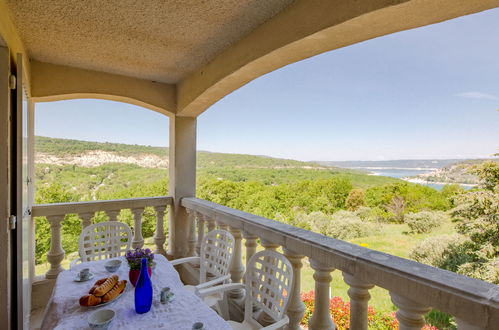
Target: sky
pixel 431 92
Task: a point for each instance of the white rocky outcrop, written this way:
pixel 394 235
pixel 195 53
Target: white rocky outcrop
pixel 99 157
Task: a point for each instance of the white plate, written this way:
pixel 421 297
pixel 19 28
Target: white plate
pixel 109 302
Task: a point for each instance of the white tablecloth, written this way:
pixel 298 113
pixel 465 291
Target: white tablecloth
pixel 64 311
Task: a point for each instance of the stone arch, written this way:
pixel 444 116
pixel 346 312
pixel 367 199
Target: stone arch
pixel 51 82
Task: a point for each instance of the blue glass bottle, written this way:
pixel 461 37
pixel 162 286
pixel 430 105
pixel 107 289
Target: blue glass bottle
pixel 143 290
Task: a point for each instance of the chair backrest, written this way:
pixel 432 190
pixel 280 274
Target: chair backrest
pixel 268 279
pixel 104 240
pixel 217 249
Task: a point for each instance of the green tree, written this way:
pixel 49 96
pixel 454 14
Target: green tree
pixel 476 215
pixel 355 199
pixel 54 193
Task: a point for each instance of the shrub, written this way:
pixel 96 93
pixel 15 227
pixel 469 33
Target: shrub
pixel 340 312
pixel 355 199
pixel 365 213
pixel 424 221
pixel 397 208
pixel 457 254
pixel 341 225
pixel 432 250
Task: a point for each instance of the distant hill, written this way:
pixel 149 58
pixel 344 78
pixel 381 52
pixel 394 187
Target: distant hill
pixel 56 151
pixel 395 164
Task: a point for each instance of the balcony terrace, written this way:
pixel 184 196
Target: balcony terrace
pixel 178 59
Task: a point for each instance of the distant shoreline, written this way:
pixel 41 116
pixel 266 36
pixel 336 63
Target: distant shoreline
pixel 394 168
pixel 421 181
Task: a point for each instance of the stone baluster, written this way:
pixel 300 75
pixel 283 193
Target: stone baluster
pixel 56 253
pixel 138 239
pixel 200 223
pixel 296 307
pixel 269 245
pixel 222 225
pixel 463 325
pixel 211 223
pixel 250 245
pixel 86 219
pixel 410 314
pixel 236 267
pixel 159 234
pixel 191 242
pixel 113 215
pixel 359 298
pixel 320 318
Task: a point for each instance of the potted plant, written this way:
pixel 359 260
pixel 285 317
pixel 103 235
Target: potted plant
pixel 134 258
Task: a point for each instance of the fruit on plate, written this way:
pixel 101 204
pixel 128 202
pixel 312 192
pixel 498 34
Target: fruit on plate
pixel 103 291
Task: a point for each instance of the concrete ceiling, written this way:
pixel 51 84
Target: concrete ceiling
pixel 159 40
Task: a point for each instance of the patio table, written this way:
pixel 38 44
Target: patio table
pixel 64 311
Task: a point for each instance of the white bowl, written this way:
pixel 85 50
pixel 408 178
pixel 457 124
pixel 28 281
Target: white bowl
pixel 101 319
pixel 112 265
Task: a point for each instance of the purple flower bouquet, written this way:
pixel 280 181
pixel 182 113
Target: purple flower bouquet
pixel 134 258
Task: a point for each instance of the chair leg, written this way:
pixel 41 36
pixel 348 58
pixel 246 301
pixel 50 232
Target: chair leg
pixel 222 307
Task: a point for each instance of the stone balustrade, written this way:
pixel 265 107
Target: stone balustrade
pixel 414 288
pixel 55 214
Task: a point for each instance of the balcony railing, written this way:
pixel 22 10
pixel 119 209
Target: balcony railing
pixel 414 288
pixel 55 214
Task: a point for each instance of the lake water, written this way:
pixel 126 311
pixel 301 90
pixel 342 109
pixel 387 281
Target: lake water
pixel 400 173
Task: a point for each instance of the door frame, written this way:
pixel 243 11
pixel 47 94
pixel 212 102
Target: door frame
pixel 7 310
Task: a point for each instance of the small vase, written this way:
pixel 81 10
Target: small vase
pixel 133 275
pixel 143 290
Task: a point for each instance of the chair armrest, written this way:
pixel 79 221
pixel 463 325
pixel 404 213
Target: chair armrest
pixel 212 282
pixel 219 288
pixel 184 260
pixel 279 324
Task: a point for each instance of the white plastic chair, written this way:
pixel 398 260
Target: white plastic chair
pixel 217 249
pixel 268 282
pixel 103 240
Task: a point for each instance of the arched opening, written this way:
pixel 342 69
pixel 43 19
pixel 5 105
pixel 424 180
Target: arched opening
pixel 419 105
pixel 89 150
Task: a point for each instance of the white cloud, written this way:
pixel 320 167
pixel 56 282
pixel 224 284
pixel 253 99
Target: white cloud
pixel 478 95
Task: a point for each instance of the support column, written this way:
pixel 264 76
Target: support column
pixel 296 307
pixel 159 234
pixel 56 253
pixel 182 167
pixel 359 298
pixel 410 314
pixel 321 319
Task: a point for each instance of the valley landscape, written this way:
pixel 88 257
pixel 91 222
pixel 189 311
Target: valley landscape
pixel 348 202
